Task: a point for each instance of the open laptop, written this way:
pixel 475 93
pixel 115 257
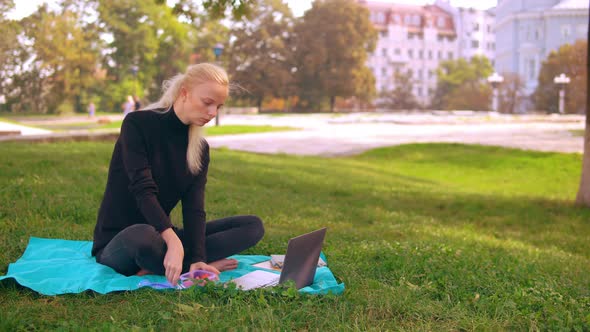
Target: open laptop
pixel 301 259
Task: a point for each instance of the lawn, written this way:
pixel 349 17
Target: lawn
pixel 426 237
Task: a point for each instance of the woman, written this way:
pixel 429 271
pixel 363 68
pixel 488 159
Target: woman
pixel 160 159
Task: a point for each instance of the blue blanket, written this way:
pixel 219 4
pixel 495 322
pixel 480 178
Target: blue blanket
pixel 53 266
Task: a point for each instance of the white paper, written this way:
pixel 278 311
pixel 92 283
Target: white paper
pixel 257 279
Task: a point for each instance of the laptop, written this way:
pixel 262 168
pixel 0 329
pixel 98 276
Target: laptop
pixel 301 260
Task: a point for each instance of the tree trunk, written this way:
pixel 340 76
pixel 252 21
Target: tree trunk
pixel 332 102
pixel 583 197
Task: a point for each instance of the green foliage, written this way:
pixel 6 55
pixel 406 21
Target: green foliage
pixel 239 8
pixel 425 237
pixel 56 64
pixel 570 60
pixel 331 57
pixel 261 55
pixel 149 45
pixel 401 97
pixel 461 84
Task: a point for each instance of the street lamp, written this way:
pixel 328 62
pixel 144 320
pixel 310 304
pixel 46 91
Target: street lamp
pixel 495 81
pixel 217 49
pixel 561 82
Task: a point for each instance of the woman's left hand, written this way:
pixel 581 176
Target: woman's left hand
pixel 203 266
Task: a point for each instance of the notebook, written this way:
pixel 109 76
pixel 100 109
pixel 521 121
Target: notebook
pixel 303 253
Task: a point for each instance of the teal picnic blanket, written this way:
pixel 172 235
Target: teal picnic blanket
pixel 54 266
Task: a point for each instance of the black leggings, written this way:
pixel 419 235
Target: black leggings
pixel 140 246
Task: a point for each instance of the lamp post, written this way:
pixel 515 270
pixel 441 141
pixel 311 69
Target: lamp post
pixel 217 49
pixel 495 81
pixel 561 82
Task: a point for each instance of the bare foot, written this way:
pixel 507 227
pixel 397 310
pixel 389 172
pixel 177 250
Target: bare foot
pixel 225 264
pixel 143 272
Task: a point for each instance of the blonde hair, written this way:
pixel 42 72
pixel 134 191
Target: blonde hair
pixel 194 75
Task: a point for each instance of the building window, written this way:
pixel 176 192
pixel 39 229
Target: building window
pixel 489 28
pixel 383 33
pixel 416 20
pixel 566 31
pixel 380 18
pixel 407 19
pixel 383 71
pixel 397 51
pixel 419 91
pixel 420 54
pixel 439 54
pixel 450 55
pixel 384 51
pixel 475 44
pixel 440 22
pixel 430 73
pixel 411 54
pixel 582 29
pixel 430 55
pixel 476 27
pixel 397 19
pixel 537 34
pixel 419 74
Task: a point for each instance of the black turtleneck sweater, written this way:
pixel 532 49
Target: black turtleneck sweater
pixel 148 176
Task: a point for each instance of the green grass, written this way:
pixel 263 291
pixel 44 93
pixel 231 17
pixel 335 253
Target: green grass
pixel 242 129
pixel 578 133
pixel 425 237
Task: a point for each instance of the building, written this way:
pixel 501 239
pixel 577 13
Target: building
pixel 528 30
pixel 475 30
pixel 415 39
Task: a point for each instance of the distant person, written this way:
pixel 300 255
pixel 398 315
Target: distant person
pixel 137 103
pixel 128 105
pixel 159 159
pixel 91 109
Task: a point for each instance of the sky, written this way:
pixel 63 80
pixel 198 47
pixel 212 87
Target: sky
pixel 25 8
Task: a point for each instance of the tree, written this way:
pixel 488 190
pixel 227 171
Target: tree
pixel 261 58
pixel 67 56
pixel 570 60
pixel 149 44
pixel 51 62
pixel 583 196
pixel 511 93
pixel 332 45
pixel 401 97
pixel 461 84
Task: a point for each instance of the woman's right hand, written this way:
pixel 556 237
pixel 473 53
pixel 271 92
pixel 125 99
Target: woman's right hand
pixel 174 256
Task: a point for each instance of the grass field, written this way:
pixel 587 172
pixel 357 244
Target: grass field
pixel 425 237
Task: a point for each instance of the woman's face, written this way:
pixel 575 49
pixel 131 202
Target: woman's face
pixel 202 102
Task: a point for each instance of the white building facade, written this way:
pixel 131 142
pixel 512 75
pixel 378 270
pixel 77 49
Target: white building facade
pixel 415 39
pixel 528 30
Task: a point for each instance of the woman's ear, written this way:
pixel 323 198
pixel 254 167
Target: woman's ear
pixel 183 93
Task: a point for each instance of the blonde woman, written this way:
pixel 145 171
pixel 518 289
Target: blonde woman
pixel 160 159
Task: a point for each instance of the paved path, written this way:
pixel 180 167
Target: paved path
pixel 346 134
pixel 24 130
pixel 355 133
